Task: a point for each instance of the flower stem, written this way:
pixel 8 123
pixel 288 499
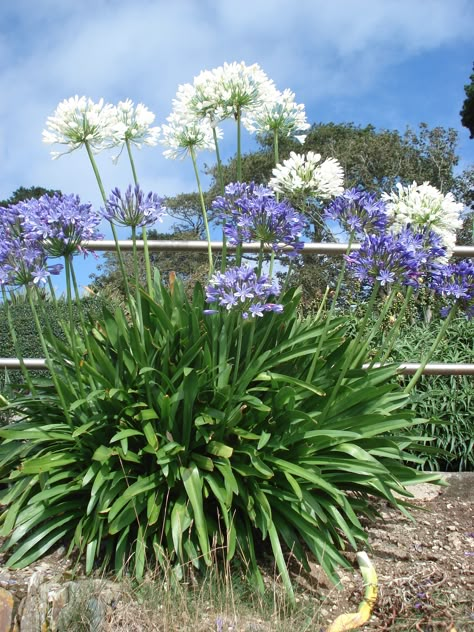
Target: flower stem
pixel 220 177
pixel 16 345
pixel 204 212
pixel 114 232
pixel 238 116
pixel 64 404
pixel 327 322
pixel 390 342
pixel 351 351
pixel 146 252
pixel 428 355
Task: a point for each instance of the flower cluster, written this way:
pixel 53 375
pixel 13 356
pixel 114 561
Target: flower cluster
pixel 252 213
pixel 229 90
pixel 304 176
pixel 22 259
pixel 424 207
pixel 455 282
pixel 405 258
pixel 60 222
pixel 134 208
pixel 359 212
pixel 79 121
pixel 240 288
pixel 278 115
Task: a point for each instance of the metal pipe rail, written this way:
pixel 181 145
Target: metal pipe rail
pixel 405 368
pixel 310 248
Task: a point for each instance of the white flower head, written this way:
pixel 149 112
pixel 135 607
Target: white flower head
pixel 278 114
pixel 227 91
pixel 304 175
pixel 133 124
pixel 184 136
pixel 424 206
pixel 79 120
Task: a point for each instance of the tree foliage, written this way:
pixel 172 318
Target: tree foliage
pixel 467 112
pixel 24 193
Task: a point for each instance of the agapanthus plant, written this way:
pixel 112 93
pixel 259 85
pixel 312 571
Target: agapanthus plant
pixel 174 425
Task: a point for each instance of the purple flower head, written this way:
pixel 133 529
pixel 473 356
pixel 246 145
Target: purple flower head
pixel 455 282
pixel 134 208
pixel 358 212
pixel 407 258
pixel 240 288
pixel 23 263
pixel 251 212
pixel 60 222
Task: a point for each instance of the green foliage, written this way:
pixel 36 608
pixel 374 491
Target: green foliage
pixel 23 193
pixel 50 313
pixel 445 401
pixel 467 112
pixel 193 433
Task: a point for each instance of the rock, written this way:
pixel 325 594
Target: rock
pixel 7 604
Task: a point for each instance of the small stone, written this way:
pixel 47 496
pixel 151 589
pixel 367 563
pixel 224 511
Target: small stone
pixel 6 610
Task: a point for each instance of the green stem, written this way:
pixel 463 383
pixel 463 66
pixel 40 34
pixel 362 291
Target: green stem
pixel 146 252
pixel 432 349
pixel 327 322
pixel 16 345
pixel 72 328
pixel 260 259
pixel 376 327
pixel 275 147
pixel 351 351
pixel 204 212
pixel 220 178
pixel 390 342
pixel 39 330
pixel 237 357
pixel 238 116
pixel 136 275
pixel 272 261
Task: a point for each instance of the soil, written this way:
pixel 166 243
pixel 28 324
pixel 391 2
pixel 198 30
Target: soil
pixel 425 568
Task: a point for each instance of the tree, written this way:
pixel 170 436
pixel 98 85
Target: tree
pixel 467 112
pixel 23 193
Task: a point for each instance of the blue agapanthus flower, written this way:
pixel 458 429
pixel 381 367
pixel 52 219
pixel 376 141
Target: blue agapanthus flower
pixel 239 288
pixel 251 212
pixel 406 258
pixel 60 222
pixel 134 208
pixel 455 282
pixel 23 260
pixel 358 212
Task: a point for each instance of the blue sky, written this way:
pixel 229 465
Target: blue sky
pixel 390 63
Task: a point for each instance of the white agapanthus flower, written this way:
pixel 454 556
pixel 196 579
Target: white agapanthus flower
pixel 134 123
pixel 278 114
pixel 228 90
pixel 184 136
pixel 304 175
pixel 424 206
pixel 79 120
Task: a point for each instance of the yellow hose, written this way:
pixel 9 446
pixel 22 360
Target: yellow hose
pixel 354 620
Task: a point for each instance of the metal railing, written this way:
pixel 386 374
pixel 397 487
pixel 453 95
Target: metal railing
pixel 313 248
